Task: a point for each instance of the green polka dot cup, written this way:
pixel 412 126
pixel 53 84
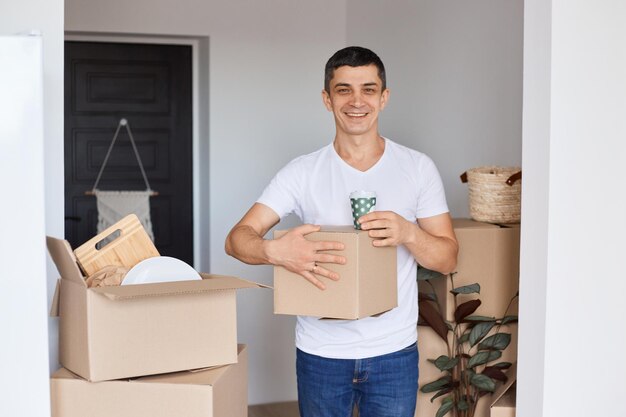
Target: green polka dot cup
pixel 362 202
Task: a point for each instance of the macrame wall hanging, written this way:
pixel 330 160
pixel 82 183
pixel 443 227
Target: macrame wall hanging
pixel 114 205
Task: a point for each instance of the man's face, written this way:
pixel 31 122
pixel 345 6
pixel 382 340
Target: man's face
pixel 355 98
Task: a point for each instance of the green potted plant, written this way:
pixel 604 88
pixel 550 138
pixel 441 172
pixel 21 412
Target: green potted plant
pixel 474 344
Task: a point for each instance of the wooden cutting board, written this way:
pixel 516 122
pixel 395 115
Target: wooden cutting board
pixel 125 243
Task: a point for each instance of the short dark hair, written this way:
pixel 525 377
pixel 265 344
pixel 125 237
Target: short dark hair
pixel 353 56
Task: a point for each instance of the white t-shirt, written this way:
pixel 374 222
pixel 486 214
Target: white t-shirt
pixel 316 187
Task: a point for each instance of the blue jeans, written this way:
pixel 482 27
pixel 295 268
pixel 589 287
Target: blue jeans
pixel 382 386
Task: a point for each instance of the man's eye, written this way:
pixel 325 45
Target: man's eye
pixel 370 90
pixel 343 91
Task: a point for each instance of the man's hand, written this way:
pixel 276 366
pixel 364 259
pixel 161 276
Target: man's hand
pixel 388 228
pixel 301 256
pixel 292 251
pixel 431 241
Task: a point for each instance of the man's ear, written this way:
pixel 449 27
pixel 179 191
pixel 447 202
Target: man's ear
pixel 326 100
pixel 384 97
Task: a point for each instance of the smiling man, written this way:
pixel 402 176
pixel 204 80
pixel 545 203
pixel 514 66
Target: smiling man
pixel 369 363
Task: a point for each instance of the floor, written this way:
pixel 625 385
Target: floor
pixel 286 409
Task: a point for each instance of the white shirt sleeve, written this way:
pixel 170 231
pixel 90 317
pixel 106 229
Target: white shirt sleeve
pixel 283 193
pixel 431 199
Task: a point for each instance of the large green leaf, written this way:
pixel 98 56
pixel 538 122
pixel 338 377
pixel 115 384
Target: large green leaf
pixel 440 393
pixel 503 365
pixel 509 319
pixel 465 309
pixel 444 409
pixel 442 382
pixel 479 331
pixel 464 338
pixel 424 274
pixel 445 363
pixel 496 341
pixel 431 316
pixel 479 318
pixel 483 357
pixel 467 289
pixel 483 382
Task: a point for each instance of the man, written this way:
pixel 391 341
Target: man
pixel 372 362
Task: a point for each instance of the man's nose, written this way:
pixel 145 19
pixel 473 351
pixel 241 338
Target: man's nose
pixel 357 99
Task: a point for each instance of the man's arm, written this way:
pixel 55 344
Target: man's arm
pixel 292 251
pixel 431 241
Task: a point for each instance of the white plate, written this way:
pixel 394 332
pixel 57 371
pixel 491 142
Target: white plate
pixel 160 269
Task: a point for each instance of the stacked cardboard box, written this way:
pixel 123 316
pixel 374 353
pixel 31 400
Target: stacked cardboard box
pixel 112 338
pixel 215 392
pixel 488 255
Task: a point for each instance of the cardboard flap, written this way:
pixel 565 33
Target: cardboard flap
pixel 511 378
pixel 207 284
pixel 64 259
pixel 54 308
pixel 226 282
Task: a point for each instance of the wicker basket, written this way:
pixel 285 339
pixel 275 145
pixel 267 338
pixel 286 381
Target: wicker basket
pixel 494 193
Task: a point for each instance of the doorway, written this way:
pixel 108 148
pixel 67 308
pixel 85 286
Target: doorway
pixel 150 85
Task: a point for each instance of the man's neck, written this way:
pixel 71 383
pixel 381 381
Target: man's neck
pixel 360 152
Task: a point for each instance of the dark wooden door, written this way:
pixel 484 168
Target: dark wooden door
pixel 150 86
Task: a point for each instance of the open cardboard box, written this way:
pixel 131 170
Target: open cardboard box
pixel 367 285
pixel 127 331
pixel 217 392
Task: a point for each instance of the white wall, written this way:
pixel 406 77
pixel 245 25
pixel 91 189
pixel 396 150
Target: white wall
pixel 583 368
pixel 24 349
pixel 47 18
pixel 24 223
pixel 265 74
pixel 535 205
pixel 454 69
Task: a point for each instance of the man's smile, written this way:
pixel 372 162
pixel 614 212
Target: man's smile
pixel 355 115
